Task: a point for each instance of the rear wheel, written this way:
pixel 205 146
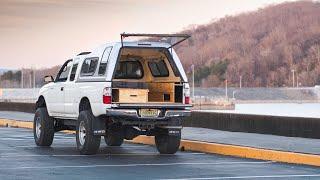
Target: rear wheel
pixel 114 136
pixel 167 144
pixel 43 127
pixel 113 139
pixel 87 143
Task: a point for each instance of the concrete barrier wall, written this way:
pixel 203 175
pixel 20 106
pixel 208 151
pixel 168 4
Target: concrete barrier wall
pixel 284 126
pixel 17 106
pixel 277 125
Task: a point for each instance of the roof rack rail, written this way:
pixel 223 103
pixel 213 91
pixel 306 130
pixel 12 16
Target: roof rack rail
pixel 83 53
pixel 182 36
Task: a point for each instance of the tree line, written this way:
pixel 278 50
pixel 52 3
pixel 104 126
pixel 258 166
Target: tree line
pixel 264 47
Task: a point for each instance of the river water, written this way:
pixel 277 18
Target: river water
pixel 274 109
pixel 311 110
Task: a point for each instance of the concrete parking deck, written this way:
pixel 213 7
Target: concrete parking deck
pixel 264 141
pixel 244 145
pixel 21 159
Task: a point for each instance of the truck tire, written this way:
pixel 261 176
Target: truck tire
pixel 87 143
pixel 43 127
pixel 167 144
pixel 113 139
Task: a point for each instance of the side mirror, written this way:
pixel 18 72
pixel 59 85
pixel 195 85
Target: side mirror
pixel 48 79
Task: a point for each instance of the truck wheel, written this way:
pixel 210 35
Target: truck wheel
pixel 167 144
pixel 113 139
pixel 43 127
pixel 87 143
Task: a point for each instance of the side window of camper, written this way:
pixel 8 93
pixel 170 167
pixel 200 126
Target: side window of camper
pixel 104 61
pixel 89 66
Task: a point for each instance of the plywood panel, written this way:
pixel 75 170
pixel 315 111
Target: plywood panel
pixel 157 91
pixel 128 95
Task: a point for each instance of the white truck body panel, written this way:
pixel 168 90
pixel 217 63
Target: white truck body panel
pixel 65 103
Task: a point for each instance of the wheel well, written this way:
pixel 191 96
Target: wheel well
pixel 41 102
pixel 84 104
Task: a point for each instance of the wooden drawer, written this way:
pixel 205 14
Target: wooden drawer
pixel 127 95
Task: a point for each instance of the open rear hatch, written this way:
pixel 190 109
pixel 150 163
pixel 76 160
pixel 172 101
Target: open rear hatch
pixel 149 77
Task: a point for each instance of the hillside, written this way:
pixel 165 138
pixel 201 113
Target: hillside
pixel 262 46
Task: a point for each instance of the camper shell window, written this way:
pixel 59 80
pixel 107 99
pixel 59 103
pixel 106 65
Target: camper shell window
pixel 158 68
pixel 129 70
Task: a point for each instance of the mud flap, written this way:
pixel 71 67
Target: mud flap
pixel 171 131
pixel 99 126
pixel 174 132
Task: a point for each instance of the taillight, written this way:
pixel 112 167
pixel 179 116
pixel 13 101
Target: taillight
pixel 107 94
pixel 186 90
pixel 187 100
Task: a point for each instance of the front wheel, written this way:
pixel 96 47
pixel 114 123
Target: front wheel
pixel 167 144
pixel 87 143
pixel 43 127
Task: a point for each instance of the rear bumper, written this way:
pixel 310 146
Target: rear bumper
pixel 174 106
pixel 133 114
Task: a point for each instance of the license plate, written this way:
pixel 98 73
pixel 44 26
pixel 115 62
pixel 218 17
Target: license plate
pixel 149 112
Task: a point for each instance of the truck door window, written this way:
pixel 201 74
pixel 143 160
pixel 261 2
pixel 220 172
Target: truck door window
pixel 104 61
pixel 89 66
pixel 64 72
pixel 73 72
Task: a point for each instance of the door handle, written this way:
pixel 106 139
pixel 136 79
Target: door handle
pixel 61 88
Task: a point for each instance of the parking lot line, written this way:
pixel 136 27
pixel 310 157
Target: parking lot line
pixel 54 146
pixel 14 155
pixel 136 165
pixel 251 177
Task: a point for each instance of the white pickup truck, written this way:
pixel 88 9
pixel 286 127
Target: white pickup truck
pixel 119 91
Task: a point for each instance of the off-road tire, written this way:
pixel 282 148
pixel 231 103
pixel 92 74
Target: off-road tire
pixel 167 144
pixel 45 136
pixel 113 139
pixel 91 143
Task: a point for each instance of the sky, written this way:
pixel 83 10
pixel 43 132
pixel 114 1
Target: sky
pixel 44 33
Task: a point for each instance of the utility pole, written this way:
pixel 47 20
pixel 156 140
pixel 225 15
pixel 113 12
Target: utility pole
pixel 30 79
pixel 34 78
pixel 240 82
pixel 318 54
pixel 192 67
pixel 292 77
pixel 22 78
pixel 226 81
